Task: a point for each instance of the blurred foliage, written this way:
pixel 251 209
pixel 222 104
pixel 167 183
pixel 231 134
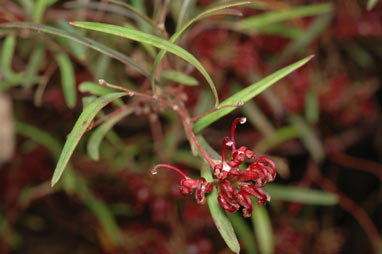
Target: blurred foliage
pixel 320 123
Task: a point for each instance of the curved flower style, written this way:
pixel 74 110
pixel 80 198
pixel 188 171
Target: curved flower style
pixel 249 181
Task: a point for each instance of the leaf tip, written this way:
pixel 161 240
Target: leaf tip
pixel 310 57
pixel 53 183
pixel 73 23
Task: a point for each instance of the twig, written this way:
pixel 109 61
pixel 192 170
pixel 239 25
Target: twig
pixel 348 161
pixel 349 205
pixel 177 108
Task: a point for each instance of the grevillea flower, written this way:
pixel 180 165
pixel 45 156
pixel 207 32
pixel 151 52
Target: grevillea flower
pixel 233 184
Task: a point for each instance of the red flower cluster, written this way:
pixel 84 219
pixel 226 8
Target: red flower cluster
pixel 249 181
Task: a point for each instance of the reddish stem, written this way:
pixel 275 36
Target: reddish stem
pixel 225 142
pixel 180 172
pixel 240 120
pixel 349 205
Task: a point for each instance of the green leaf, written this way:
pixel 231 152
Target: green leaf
pixel 83 40
pixel 31 74
pixel 275 138
pixel 76 48
pixel 247 94
pixel 105 216
pixel 219 216
pixel 300 43
pixel 98 135
pixel 244 232
pixel 79 129
pixel 7 51
pixel 260 21
pixel 263 228
pixel 216 9
pixel 371 4
pixel 68 81
pixel 282 30
pixel 39 9
pixel 312 107
pixel 152 40
pixel 179 77
pixel 308 137
pixel 72 182
pixel 40 137
pixel 141 16
pixel 257 118
pixel 94 88
pixel 301 195
pixel 187 8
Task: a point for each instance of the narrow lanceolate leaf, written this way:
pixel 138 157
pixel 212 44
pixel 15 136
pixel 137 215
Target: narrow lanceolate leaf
pixel 245 234
pixel 39 9
pixel 263 228
pixel 247 94
pixel 94 88
pixel 98 135
pixel 155 41
pixel 7 51
pixel 260 21
pixel 309 137
pixel 68 81
pixel 301 195
pixel 312 107
pixel 83 40
pixel 220 218
pixel 79 129
pixel 34 64
pixel 179 77
pixel 216 9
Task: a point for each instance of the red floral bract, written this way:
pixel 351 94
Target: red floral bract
pixel 234 185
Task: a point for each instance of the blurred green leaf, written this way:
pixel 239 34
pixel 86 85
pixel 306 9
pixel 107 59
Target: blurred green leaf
pixel 244 232
pixel 98 135
pixel 140 15
pixel 185 11
pixel 257 118
pixel 35 60
pixel 312 107
pixel 371 4
pixel 282 30
pixel 263 228
pixel 102 67
pixel 260 21
pixel 74 47
pixel 83 40
pixel 40 137
pixel 7 51
pixel 68 81
pixel 276 137
pixel 301 195
pixel 220 218
pixel 80 127
pixel 39 9
pixel 152 40
pixel 179 77
pixel 308 137
pixel 72 182
pixel 247 94
pixel 302 42
pixel 104 215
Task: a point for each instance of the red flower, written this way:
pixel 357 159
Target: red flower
pixel 249 182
